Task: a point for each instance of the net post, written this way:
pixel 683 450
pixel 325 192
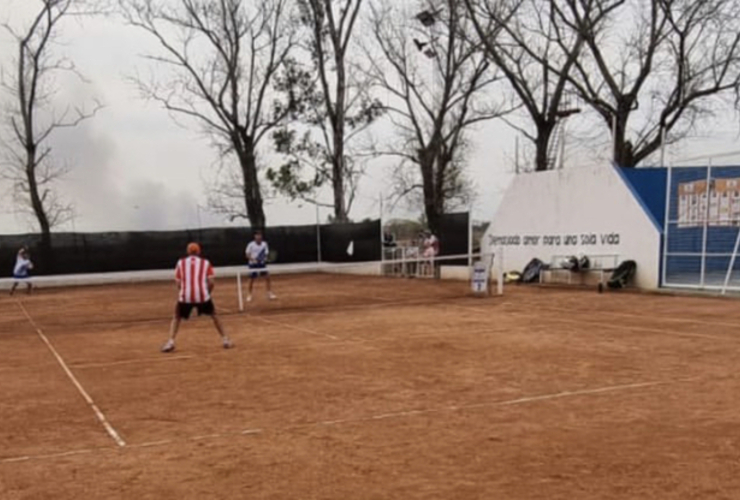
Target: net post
pixel 239 293
pixel 403 262
pixel 498 257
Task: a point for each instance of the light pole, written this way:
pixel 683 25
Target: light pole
pixel 562 117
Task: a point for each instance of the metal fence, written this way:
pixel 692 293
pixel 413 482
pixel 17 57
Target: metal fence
pixel 702 228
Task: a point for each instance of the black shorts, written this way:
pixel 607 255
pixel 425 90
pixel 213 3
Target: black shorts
pixel 183 309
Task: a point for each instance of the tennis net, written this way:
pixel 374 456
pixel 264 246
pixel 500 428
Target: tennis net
pixel 358 284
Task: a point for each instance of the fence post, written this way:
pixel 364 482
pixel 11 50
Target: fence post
pixel 732 263
pixel 499 258
pixel 702 280
pixel 662 145
pixel 666 226
pixel 470 236
pixel 318 231
pixel 382 231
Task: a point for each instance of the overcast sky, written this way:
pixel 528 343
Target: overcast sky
pixel 133 168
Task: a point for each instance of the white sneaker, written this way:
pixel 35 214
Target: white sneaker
pixel 271 296
pixel 228 344
pixel 169 346
pixel 249 298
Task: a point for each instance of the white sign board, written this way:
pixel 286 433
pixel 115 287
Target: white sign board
pixel 590 211
pixel 479 281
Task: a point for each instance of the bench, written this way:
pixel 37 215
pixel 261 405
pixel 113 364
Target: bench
pixel 602 265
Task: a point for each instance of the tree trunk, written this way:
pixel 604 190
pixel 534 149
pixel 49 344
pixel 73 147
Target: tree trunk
pixel 433 215
pixel 338 167
pixel 252 196
pixel 542 145
pixel 432 208
pixel 37 204
pixel 623 154
pixel 338 173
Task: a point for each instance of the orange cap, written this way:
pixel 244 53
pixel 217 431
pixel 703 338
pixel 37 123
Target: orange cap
pixel 193 249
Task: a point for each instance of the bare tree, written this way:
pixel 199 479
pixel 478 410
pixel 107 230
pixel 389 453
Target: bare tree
pixel 338 109
pixel 438 86
pixel 32 116
pixel 227 65
pixel 523 40
pixel 653 68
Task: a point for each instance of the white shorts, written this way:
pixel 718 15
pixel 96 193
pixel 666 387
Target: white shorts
pixel 429 253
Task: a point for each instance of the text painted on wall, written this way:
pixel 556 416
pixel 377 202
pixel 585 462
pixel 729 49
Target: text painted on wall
pixel 556 240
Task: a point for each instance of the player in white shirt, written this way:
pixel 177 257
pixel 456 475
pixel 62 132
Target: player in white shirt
pixel 257 252
pixel 22 270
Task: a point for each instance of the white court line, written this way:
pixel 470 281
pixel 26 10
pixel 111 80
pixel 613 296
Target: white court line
pixel 152 444
pixel 510 402
pixel 386 416
pixel 46 456
pixel 608 325
pixel 296 328
pixel 667 319
pixel 569 394
pixel 206 437
pixel 355 342
pixel 419 301
pixel 385 303
pixel 82 366
pixel 101 417
pixel 247 432
pixel 163 359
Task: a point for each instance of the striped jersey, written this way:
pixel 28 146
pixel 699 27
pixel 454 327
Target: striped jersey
pixel 192 273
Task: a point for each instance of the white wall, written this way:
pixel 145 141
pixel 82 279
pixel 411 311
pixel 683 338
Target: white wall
pixel 541 212
pixel 455 273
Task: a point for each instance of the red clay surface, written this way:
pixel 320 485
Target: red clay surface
pixel 369 388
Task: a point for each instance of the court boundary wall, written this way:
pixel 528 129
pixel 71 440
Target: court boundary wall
pixel 597 210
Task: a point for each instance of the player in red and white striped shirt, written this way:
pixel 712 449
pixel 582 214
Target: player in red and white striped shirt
pixel 194 277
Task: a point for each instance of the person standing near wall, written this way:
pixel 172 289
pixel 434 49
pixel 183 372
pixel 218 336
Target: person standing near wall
pixel 429 252
pixel 22 271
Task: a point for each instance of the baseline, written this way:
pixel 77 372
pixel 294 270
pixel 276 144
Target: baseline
pixel 375 417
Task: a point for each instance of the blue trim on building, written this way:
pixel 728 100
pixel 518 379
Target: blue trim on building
pixel 648 186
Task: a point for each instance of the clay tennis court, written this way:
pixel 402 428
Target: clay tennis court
pixel 370 388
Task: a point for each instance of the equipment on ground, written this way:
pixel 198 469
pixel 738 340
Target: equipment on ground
pixel 531 273
pixel 622 275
